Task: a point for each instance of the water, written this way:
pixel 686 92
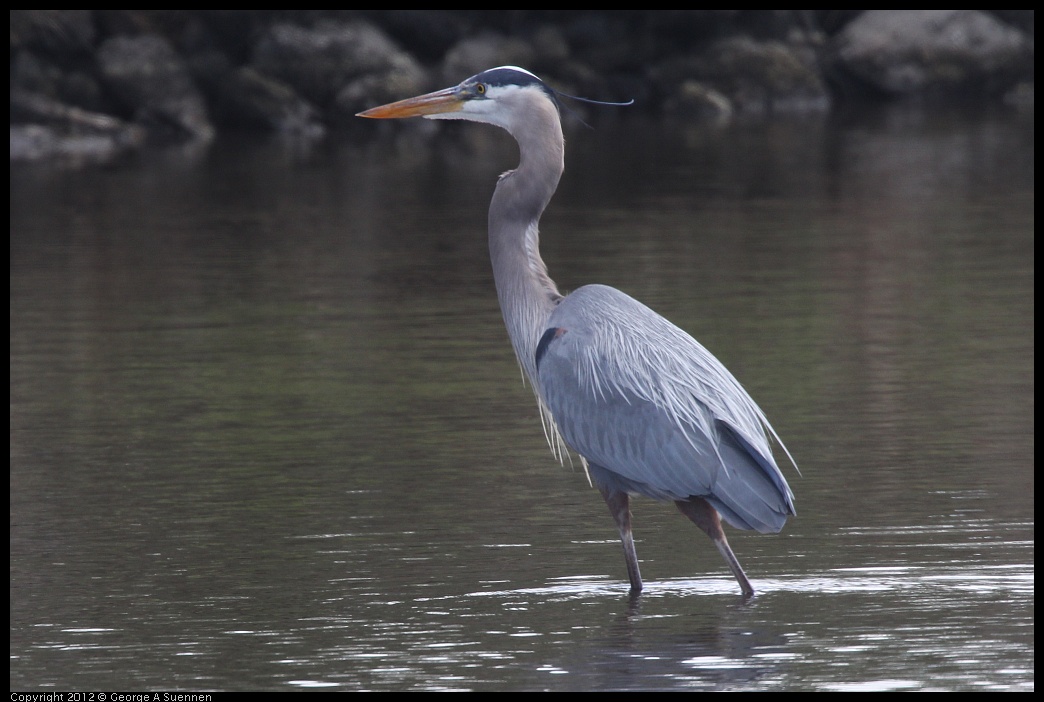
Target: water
pixel 267 431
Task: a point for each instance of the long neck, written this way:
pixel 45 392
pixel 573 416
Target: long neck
pixel 527 295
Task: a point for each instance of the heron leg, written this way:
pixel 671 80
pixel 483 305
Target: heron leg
pixel 619 506
pixel 706 518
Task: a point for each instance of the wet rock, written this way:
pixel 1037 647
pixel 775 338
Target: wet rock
pixel 429 35
pixel 740 75
pixel 303 72
pixel 243 98
pixel 767 76
pixel 45 128
pixel 696 101
pixel 153 84
pixel 929 53
pixel 63 34
pixel 487 50
pixel 319 62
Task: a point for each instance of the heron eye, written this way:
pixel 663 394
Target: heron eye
pixel 480 88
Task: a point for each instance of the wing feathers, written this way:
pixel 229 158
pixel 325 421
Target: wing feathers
pixel 639 397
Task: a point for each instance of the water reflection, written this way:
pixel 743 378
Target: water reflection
pixel 267 431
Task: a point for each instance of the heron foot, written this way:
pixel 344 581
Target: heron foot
pixel 706 518
pixel 619 506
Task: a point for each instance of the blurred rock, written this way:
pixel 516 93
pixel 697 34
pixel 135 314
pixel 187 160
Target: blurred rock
pixel 62 34
pixel 487 50
pixel 743 76
pixel 696 101
pixel 181 74
pixel 964 54
pixel 318 62
pixel 154 85
pixel 245 99
pixel 44 128
pixel 767 77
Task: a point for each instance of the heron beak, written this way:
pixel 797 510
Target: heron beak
pixel 439 102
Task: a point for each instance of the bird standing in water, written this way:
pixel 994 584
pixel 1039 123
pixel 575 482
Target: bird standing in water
pixel 649 410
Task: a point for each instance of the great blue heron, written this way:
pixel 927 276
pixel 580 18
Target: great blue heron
pixel 649 410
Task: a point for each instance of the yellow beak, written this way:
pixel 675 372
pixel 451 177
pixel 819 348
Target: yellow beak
pixel 439 102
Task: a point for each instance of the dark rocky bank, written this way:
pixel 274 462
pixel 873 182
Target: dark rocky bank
pixel 94 83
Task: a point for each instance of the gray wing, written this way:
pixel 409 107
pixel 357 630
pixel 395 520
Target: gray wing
pixel 636 395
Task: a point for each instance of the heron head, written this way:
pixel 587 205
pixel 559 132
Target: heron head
pixel 495 97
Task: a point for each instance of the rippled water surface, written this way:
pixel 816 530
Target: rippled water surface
pixel 267 431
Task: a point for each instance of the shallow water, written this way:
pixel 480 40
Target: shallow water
pixel 267 431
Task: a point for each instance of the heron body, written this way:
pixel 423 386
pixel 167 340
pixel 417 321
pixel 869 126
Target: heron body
pixel 649 409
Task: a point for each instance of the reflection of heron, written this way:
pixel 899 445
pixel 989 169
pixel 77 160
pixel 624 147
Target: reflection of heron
pixel 649 409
